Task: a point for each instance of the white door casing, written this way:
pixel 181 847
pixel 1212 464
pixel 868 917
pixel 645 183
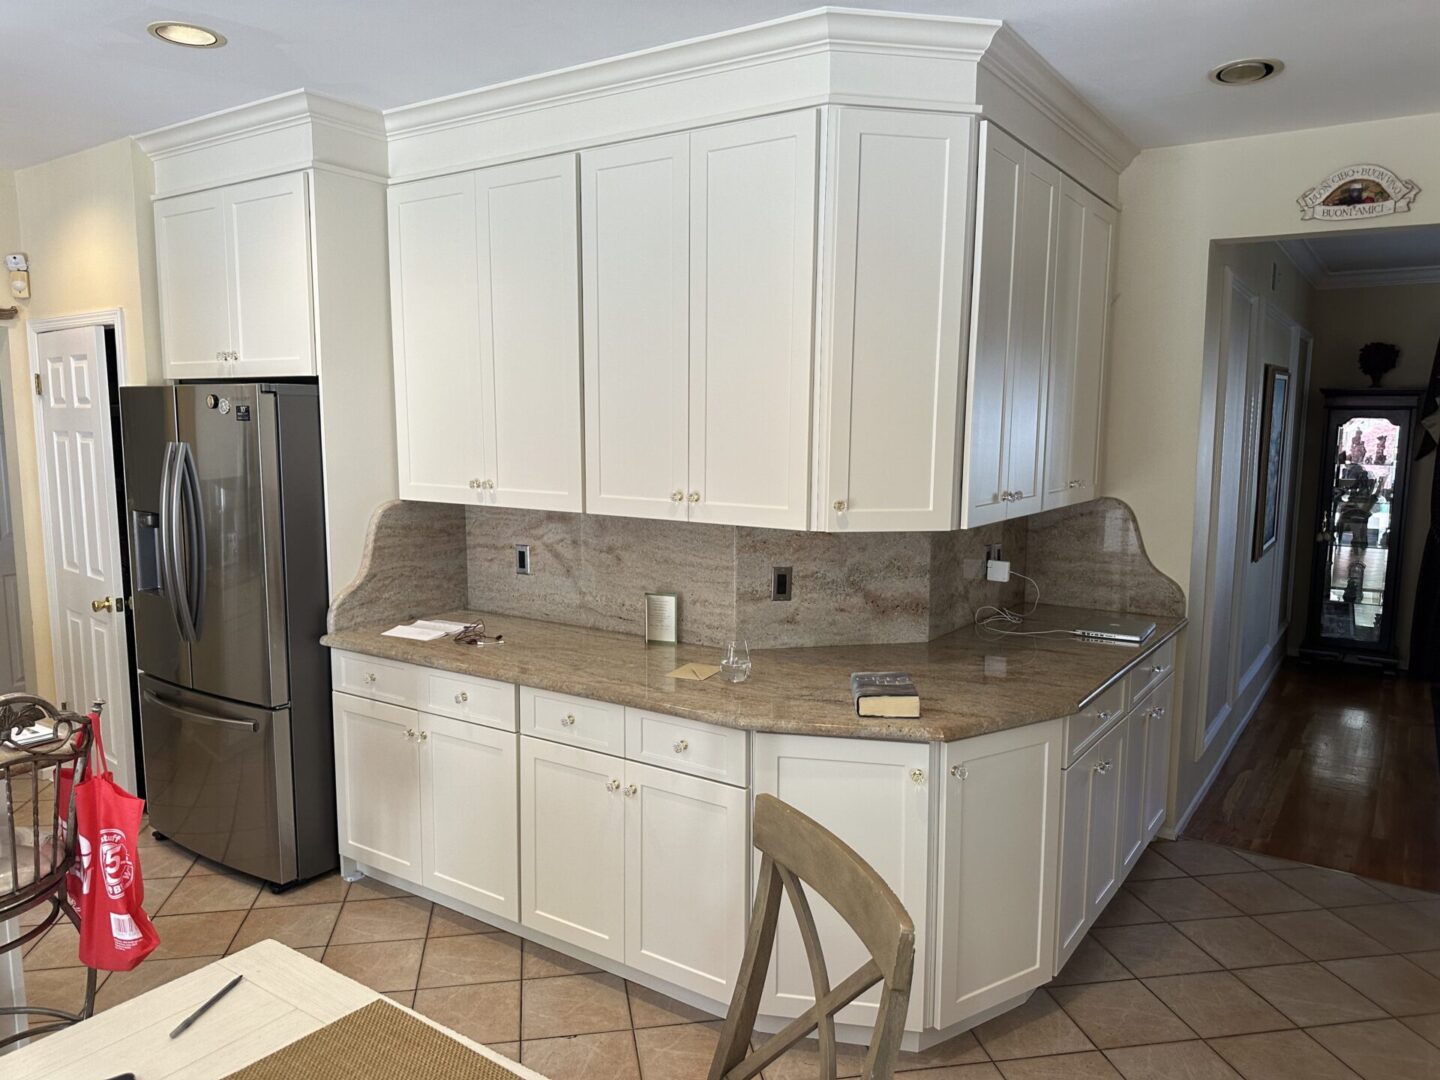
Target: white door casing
pixel 12 656
pixel 80 520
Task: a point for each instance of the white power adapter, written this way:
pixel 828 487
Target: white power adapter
pixel 997 570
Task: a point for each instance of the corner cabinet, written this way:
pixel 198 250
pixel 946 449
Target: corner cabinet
pixel 235 274
pixel 485 308
pixel 698 278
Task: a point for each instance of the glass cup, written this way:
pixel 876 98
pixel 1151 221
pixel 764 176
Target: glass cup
pixel 735 664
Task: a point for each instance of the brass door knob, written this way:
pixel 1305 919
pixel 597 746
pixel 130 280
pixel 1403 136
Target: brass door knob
pixel 108 604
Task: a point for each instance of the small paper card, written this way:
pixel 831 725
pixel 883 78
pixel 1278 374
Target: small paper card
pixel 696 672
pixel 414 633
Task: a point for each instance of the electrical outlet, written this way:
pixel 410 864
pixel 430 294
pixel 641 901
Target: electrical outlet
pixel 523 565
pixel 992 552
pixel 782 580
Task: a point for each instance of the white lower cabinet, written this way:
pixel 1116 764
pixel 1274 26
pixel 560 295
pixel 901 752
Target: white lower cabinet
pixel 1130 831
pixel 1157 719
pixel 1089 839
pixel 999 832
pixel 875 796
pixel 377 785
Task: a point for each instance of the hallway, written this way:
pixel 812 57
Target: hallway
pixel 1337 768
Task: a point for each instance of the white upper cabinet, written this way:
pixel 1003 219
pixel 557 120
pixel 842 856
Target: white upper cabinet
pixel 485 316
pixel 895 307
pixel 1084 258
pixel 234 268
pixel 634 214
pixel 752 274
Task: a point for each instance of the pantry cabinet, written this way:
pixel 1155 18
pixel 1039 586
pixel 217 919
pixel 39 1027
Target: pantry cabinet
pixel 235 275
pixel 485 309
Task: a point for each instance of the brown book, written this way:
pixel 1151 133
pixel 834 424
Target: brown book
pixel 884 693
pixel 896 707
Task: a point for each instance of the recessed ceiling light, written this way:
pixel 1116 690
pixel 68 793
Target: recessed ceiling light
pixel 1245 72
pixel 192 37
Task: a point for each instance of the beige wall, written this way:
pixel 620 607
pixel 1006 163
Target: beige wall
pixel 86 225
pixel 1345 319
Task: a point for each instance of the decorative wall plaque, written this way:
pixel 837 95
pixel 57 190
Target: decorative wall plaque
pixel 1358 191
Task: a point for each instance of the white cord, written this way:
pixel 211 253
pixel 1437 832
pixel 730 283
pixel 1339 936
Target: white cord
pixel 1000 615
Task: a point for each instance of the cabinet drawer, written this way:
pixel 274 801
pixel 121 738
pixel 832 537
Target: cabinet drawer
pixel 688 746
pixel 1082 729
pixel 464 697
pixel 593 725
pixel 1149 671
pixel 379 680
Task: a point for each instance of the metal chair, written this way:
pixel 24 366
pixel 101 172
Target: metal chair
pixel 37 833
pixel 798 852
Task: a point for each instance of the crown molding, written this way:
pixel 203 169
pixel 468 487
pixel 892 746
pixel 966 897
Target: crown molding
pixel 1304 259
pixel 1369 279
pixel 1011 60
pixel 294 108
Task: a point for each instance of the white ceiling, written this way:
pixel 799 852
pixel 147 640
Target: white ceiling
pixel 81 72
pixel 1392 256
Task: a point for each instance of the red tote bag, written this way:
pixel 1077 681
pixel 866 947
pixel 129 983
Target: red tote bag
pixel 105 886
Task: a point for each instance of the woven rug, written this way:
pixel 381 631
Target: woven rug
pixel 378 1042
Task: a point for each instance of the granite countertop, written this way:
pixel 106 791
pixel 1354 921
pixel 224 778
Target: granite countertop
pixel 971 682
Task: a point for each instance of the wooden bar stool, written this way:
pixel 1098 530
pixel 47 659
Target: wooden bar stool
pixel 799 852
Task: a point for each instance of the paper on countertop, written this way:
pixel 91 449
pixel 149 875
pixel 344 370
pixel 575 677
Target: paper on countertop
pixel 445 626
pixel 696 672
pixel 414 633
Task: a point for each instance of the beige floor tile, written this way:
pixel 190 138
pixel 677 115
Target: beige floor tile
pixel 327 889
pixel 380 965
pixel 1427 1027
pixel 936 1063
pixel 1182 898
pixel 1153 865
pixel 1174 1061
pixel 650 1008
pixel 573 1005
pixel 1090 1065
pixel 1404 892
pixel 1381 1050
pixel 1196 857
pixel 1430 961
pixel 1154 949
pixel 1121 1014
pixel 1038 1027
pixel 157 891
pixel 381 920
pixel 1257 893
pixel 981 1071
pixel 302 926
pixel 489 1013
pixel 1397 925
pixel 202 934
pixel 677 1052
pixel 1321 935
pixel 313 952
pixel 1309 995
pixel 59 988
pixel 543 963
pixel 402 997
pixel 211 892
pixel 447 923
pixel 473 958
pixel 1280 1055
pixel 164 860
pixel 609 1055
pixel 1266 862
pixel 510 1050
pixel 124 985
pixel 1392 982
pixel 1090 962
pixel 1239 942
pixel 1125 909
pixel 1216 1003
pixel 57 948
pixel 1330 888
pixel 962 1050
pixel 802 1062
pixel 368 888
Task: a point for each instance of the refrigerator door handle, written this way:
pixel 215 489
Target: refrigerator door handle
pixel 195 535
pixel 171 524
pixel 191 714
pixel 169 579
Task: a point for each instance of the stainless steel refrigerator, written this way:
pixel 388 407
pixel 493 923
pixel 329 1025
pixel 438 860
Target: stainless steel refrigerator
pixel 224 493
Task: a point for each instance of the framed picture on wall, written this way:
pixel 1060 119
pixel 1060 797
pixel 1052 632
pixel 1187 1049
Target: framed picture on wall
pixel 1274 407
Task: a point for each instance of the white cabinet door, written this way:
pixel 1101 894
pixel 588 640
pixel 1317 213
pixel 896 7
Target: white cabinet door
pixel 271 299
pixel 194 286
pixel 529 306
pixel 896 314
pixel 1084 254
pixel 994 325
pixel 686 859
pixel 1131 828
pixel 572 845
pixel 377 785
pixel 469 813
pixel 1156 716
pixel 635 225
pixel 875 796
pixel 752 275
pixel 999 831
pixel 1089 841
pixel 435 326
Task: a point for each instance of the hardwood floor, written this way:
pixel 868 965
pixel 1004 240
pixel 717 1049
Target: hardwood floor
pixel 1337 768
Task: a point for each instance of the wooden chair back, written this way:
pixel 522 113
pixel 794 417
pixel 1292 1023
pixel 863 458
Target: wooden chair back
pixel 798 852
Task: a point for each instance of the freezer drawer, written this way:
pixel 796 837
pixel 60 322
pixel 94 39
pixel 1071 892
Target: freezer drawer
pixel 218 778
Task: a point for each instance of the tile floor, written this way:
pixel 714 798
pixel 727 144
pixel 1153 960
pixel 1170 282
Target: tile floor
pixel 1208 964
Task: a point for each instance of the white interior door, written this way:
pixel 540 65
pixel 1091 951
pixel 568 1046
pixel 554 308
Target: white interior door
pixel 12 662
pixel 82 536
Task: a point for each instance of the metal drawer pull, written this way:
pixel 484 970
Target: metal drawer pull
pixel 917 775
pixel 959 772
pixel 613 785
pixel 1103 766
pixel 681 746
pixel 630 791
pixel 203 717
pixel 462 697
pixel 568 720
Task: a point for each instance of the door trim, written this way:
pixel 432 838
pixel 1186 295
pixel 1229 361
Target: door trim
pixel 115 319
